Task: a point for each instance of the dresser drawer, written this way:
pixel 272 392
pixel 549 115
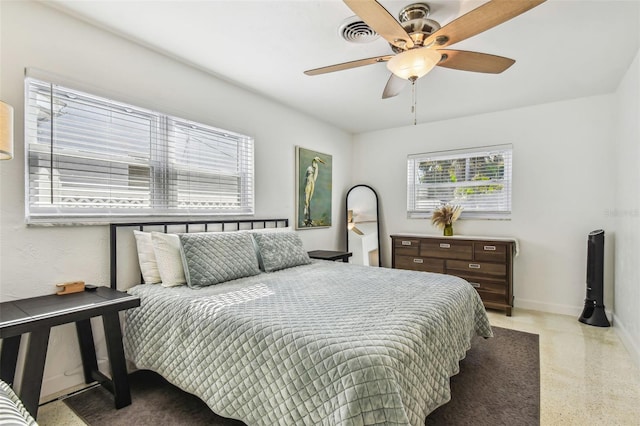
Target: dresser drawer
pixel 476 269
pixel 491 297
pixel 447 249
pixel 406 246
pixel 489 252
pixel 496 287
pixel 415 263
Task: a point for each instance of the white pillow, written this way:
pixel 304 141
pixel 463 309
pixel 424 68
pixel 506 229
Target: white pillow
pixel 147 258
pixel 167 250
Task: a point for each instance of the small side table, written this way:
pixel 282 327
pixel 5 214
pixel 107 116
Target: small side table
pixel 37 315
pixel 330 255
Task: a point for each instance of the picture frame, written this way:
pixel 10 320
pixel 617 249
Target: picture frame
pixel 314 179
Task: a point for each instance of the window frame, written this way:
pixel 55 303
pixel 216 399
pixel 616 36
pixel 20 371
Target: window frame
pixel 161 191
pixel 467 213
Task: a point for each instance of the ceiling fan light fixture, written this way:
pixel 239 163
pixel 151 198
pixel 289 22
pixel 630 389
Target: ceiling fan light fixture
pixel 414 63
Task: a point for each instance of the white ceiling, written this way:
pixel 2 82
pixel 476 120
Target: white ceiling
pixel 563 49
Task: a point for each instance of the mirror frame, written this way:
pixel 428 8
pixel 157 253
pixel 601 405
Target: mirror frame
pixel 346 217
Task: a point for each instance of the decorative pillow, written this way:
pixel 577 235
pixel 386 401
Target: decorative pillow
pixel 261 231
pixel 147 258
pixel 281 250
pixel 215 257
pixel 167 250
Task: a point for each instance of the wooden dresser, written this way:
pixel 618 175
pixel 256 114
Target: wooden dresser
pixel 487 263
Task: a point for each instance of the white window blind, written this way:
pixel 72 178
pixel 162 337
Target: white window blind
pixel 478 179
pixel 92 159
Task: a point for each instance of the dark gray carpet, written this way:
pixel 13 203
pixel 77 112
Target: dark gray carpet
pixel 498 384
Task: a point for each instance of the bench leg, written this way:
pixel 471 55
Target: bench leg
pixel 113 334
pixel 9 358
pixel 34 369
pixel 87 349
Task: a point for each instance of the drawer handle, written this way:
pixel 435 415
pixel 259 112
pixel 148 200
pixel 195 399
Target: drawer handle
pixel 406 243
pixel 474 266
pixel 418 260
pixel 475 285
pixel 445 245
pixel 490 248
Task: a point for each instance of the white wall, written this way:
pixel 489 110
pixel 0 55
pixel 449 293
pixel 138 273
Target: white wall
pixel 627 209
pixel 563 172
pixel 562 188
pixel 34 259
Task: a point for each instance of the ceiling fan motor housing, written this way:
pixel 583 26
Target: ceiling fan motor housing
pixel 414 11
pixel 413 19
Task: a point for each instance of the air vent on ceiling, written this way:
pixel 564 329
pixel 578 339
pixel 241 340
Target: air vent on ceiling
pixel 355 30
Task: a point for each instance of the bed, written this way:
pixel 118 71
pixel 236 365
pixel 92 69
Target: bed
pixel 314 342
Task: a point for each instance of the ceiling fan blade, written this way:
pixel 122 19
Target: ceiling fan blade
pixel 394 86
pixel 474 61
pixel 480 19
pixel 348 65
pixel 378 18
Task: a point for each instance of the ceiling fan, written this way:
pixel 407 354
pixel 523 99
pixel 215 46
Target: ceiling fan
pixel 419 43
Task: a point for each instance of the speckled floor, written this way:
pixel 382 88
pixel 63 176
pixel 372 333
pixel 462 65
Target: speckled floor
pixel 587 376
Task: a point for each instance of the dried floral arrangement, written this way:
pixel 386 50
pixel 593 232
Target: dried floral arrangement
pixel 445 215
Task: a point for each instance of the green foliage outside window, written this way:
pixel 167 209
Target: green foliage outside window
pixel 477 179
pixel 474 169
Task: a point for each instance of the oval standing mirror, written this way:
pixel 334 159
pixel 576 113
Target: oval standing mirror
pixel 363 226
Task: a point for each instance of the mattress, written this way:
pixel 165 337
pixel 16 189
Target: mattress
pixel 322 344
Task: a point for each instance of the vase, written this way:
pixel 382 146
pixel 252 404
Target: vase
pixel 448 230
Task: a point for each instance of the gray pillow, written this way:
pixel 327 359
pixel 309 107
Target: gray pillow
pixel 281 250
pixel 215 257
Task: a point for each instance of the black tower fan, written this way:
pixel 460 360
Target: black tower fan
pixel 593 312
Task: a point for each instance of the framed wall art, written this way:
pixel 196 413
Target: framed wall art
pixel 313 189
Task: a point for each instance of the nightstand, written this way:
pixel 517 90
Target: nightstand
pixel 330 255
pixel 38 314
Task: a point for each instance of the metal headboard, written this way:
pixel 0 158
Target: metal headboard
pixel 223 225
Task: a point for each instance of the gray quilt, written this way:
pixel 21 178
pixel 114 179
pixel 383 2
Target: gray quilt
pixel 12 412
pixel 322 344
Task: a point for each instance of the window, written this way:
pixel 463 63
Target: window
pixel 91 159
pixel 478 179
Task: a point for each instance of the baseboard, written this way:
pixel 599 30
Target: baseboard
pixel 552 308
pixel 53 387
pixel 627 341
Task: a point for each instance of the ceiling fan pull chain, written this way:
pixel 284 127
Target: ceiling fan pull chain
pixel 414 100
